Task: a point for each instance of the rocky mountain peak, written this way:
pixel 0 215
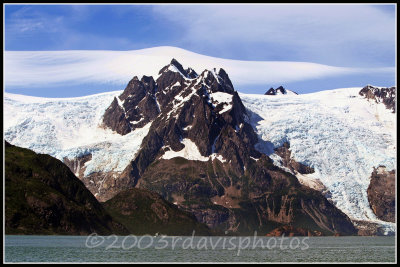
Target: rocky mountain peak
pixel 279 90
pixel 143 100
pixel 217 81
pixel 176 67
pixel 201 113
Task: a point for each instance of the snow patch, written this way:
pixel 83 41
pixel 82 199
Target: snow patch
pixel 187 128
pixel 190 152
pixel 222 98
pixel 217 156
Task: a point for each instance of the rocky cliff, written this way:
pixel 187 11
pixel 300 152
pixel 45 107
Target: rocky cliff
pixel 289 162
pixel 382 194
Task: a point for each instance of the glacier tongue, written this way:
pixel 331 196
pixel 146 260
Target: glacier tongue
pixel 338 133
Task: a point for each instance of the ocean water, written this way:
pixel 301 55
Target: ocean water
pixel 132 248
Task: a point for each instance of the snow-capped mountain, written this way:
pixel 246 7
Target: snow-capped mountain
pixel 330 131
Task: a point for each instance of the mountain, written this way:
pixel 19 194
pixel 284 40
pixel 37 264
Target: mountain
pixel 327 133
pixel 200 153
pixel 43 196
pixel 200 123
pixel 279 91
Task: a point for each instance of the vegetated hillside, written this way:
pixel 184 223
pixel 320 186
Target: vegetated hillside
pixel 146 212
pixel 43 196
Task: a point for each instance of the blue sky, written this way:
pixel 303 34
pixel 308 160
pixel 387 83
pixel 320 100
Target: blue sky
pixel 356 35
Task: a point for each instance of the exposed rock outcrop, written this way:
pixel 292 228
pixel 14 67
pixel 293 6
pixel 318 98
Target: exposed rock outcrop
pixel 289 231
pixel 289 162
pixel 77 165
pixel 205 110
pixel 382 194
pixel 385 95
pixel 368 228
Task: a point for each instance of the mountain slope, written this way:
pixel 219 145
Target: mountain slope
pixel 145 212
pixel 42 196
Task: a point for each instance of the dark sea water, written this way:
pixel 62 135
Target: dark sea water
pixel 198 249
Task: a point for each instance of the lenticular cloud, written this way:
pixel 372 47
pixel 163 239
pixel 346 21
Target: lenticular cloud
pixel 49 68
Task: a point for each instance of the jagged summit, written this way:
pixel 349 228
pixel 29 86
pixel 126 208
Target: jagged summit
pixel 175 66
pixel 279 91
pixel 185 112
pixel 143 100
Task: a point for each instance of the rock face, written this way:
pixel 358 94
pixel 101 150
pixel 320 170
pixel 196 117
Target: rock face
pixel 382 194
pixel 289 162
pixel 278 91
pixel 383 95
pixel 146 212
pixel 289 231
pixel 103 185
pixel 368 228
pixel 134 108
pixel 200 154
pixel 42 196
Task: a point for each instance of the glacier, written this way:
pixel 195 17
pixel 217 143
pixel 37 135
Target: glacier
pixel 69 128
pixel 337 132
